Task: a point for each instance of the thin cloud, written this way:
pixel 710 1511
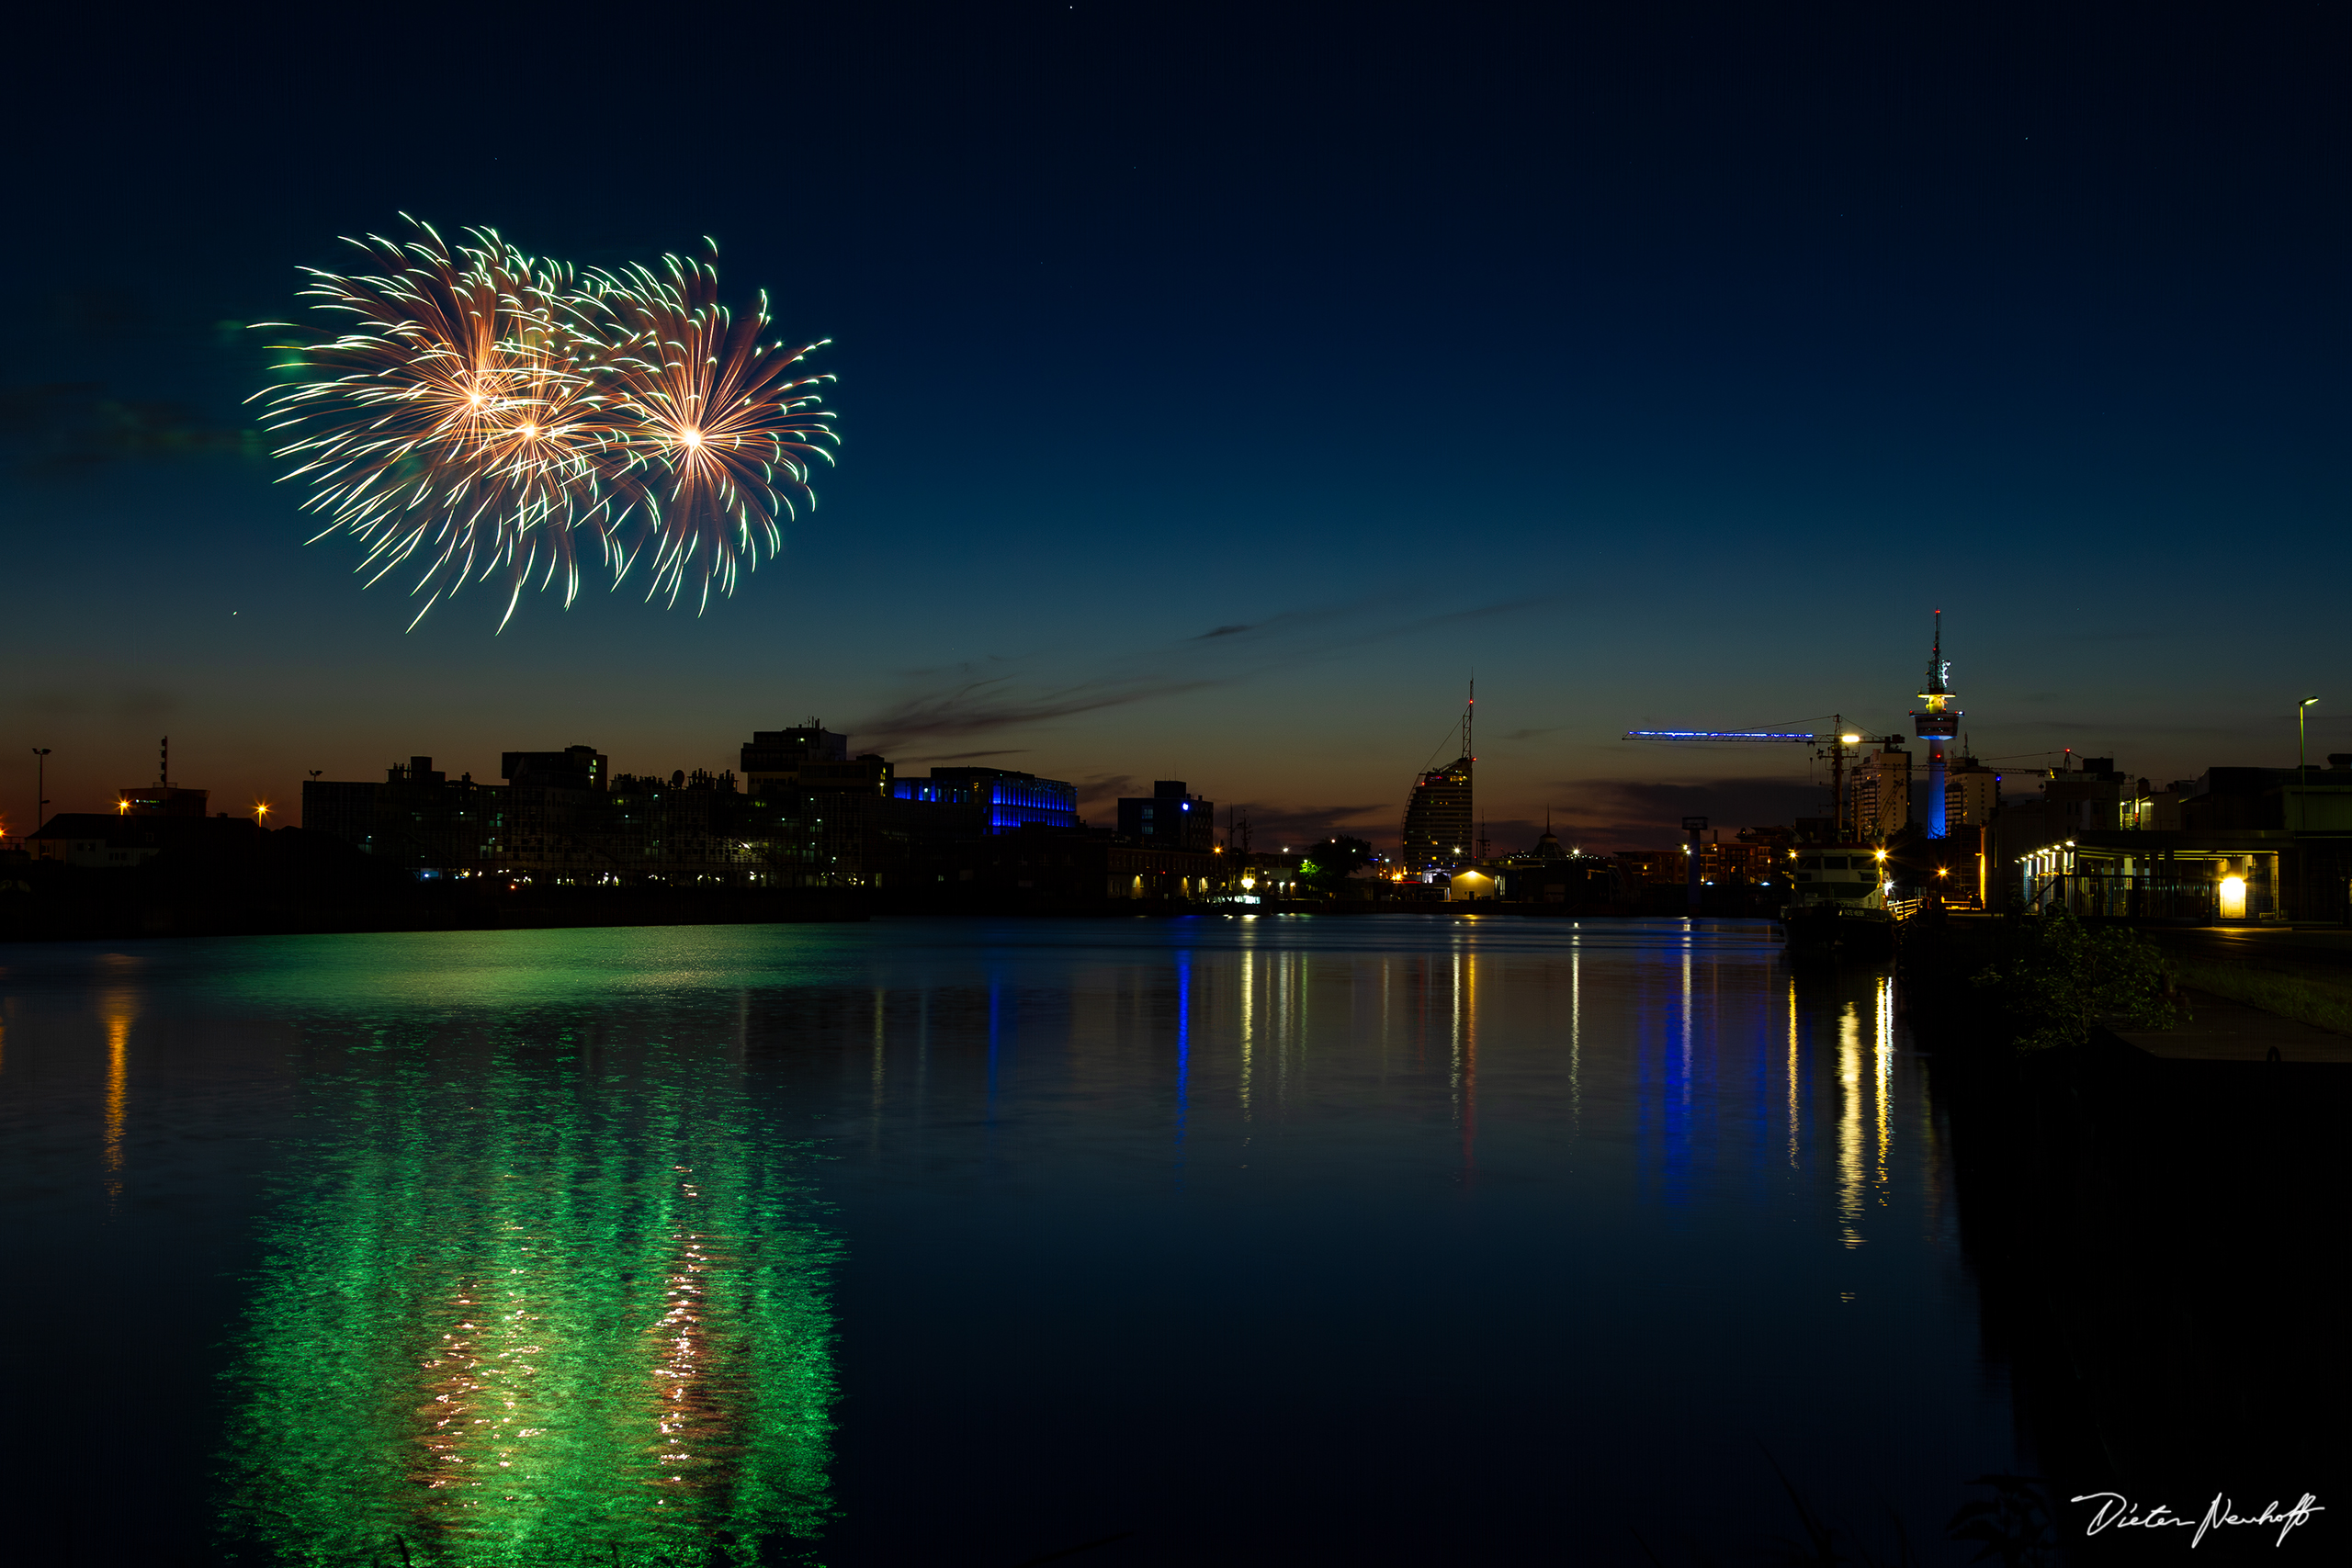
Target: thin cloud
pixel 129 704
pixel 64 426
pixel 1108 787
pixel 981 707
pixel 2096 726
pixel 978 699
pixel 1510 835
pixel 1644 814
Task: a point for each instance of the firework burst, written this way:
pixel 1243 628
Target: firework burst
pixel 713 429
pixel 479 413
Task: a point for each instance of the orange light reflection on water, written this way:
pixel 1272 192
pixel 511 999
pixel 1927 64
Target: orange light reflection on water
pixel 118 1094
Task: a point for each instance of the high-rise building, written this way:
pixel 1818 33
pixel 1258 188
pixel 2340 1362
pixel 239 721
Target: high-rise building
pixel 1971 791
pixel 1877 793
pixel 1439 824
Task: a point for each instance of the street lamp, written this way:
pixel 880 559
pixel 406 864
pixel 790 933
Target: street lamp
pixel 2301 708
pixel 41 784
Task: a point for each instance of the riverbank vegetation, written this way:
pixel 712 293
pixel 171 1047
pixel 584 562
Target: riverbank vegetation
pixel 2035 985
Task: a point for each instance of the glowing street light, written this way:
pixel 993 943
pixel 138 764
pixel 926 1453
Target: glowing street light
pixel 2301 709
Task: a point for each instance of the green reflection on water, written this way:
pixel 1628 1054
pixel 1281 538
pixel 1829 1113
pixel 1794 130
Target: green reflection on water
pixel 411 970
pixel 536 1303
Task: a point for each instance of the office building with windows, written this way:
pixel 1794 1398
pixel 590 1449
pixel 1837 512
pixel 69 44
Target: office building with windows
pixel 1169 819
pixel 1008 801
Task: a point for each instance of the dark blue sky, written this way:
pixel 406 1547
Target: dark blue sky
pixel 1657 363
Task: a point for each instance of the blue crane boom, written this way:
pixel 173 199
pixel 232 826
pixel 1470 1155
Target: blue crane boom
pixel 1804 737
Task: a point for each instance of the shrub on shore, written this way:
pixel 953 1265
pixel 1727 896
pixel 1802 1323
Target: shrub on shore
pixel 2055 976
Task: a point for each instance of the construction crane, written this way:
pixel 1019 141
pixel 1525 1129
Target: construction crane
pixel 1832 742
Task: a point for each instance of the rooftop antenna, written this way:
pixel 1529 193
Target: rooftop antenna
pixel 1468 714
pixel 166 779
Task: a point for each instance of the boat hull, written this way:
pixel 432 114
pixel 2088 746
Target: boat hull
pixel 1846 930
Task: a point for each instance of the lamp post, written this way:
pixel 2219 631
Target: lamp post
pixel 41 784
pixel 2301 709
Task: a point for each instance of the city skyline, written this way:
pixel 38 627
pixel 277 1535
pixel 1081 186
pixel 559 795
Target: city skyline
pixel 1198 422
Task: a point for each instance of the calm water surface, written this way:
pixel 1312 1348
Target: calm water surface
pixel 1278 1240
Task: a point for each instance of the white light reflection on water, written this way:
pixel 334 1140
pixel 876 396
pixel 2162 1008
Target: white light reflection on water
pixel 1850 1151
pixel 1686 1159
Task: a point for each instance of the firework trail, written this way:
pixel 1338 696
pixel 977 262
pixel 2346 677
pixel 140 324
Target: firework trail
pixel 481 412
pixel 712 430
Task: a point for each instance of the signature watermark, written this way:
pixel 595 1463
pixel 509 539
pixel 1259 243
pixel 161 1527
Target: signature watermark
pixel 2116 1511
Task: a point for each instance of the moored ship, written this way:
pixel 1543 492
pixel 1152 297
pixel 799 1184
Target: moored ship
pixel 1838 901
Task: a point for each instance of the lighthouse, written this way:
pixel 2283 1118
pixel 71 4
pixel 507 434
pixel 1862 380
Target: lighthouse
pixel 1935 724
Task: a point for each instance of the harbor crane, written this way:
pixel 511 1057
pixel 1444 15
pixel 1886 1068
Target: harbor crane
pixel 1832 744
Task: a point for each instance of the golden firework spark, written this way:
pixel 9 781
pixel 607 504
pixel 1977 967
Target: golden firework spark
pixel 715 429
pixel 479 408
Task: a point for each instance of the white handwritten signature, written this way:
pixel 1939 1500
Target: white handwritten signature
pixel 2115 1508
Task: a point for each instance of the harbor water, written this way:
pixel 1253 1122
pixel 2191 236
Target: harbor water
pixel 1275 1240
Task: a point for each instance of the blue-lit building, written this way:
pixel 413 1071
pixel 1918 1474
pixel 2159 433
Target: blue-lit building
pixel 1169 819
pixel 1009 801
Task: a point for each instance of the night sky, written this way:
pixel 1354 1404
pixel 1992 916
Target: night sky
pixel 1222 388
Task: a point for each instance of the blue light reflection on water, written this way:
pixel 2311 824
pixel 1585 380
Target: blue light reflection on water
pixel 1481 1235
pixel 1183 1044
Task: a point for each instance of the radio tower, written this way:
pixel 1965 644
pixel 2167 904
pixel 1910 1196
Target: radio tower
pixel 1935 724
